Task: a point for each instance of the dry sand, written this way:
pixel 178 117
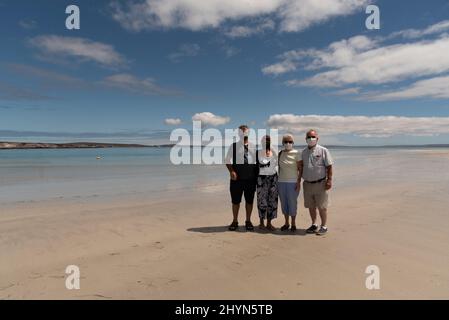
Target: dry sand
pixel 179 247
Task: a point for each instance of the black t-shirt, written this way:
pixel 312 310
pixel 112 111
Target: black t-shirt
pixel 249 169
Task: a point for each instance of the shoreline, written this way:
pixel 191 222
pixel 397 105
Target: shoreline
pixel 71 145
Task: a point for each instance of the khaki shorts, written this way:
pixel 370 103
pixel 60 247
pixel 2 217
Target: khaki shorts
pixel 316 195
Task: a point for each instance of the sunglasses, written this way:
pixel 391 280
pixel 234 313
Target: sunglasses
pixel 288 142
pixel 311 137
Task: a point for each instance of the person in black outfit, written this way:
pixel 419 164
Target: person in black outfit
pixel 242 167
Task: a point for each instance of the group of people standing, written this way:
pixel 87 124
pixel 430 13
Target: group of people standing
pixel 278 176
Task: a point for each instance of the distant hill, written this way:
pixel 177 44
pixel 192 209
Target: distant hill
pixel 72 145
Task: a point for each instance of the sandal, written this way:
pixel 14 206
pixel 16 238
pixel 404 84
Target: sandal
pixel 249 226
pixel 233 226
pixel 285 227
pixel 293 228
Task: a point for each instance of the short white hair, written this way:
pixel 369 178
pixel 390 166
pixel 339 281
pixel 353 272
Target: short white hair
pixel 287 136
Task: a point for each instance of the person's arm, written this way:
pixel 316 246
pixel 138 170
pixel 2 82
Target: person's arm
pixel 329 177
pixel 232 172
pixel 329 170
pixel 299 165
pixel 229 156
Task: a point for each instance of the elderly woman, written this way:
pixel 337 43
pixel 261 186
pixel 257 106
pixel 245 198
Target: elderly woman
pixel 267 189
pixel 289 182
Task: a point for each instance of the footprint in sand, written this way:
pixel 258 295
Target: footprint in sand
pixel 35 276
pixel 148 285
pixel 97 295
pixel 172 281
pixel 158 245
pixel 7 287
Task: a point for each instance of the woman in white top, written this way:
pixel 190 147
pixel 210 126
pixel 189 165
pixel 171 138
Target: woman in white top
pixel 289 181
pixel 267 189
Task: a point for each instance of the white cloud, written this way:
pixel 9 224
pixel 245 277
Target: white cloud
pixel 338 54
pixel 208 118
pixel 297 15
pixel 347 91
pixel 362 126
pixel 244 31
pixel 381 65
pixel 28 24
pixel 361 61
pixel 185 50
pixel 294 15
pixel 279 68
pixel 46 76
pixel 230 51
pixel 417 33
pixel 80 48
pixel 136 85
pixel 437 88
pixel 173 121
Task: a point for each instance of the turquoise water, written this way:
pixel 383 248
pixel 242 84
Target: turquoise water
pixel 51 174
pixel 33 175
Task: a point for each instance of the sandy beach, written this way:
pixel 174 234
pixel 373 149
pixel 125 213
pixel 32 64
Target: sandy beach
pixel 130 130
pixel 177 246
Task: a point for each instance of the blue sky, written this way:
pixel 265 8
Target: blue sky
pixel 136 70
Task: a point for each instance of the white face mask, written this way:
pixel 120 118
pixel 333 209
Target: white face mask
pixel 311 142
pixel 288 146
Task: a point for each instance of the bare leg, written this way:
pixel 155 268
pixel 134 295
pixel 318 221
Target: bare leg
pixel 235 212
pixel 249 210
pixel 323 216
pixel 270 226
pixel 313 215
pixel 294 221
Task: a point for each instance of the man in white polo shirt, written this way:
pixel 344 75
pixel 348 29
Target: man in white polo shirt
pixel 316 170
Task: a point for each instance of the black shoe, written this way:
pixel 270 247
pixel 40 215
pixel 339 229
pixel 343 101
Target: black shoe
pixel 322 231
pixel 313 228
pixel 293 228
pixel 285 227
pixel 233 226
pixel 249 226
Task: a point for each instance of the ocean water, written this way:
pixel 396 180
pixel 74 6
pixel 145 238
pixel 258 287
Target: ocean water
pixel 35 175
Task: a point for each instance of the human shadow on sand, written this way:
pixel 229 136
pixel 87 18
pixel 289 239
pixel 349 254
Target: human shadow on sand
pixel 241 229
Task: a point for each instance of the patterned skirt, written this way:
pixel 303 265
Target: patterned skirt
pixel 267 196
